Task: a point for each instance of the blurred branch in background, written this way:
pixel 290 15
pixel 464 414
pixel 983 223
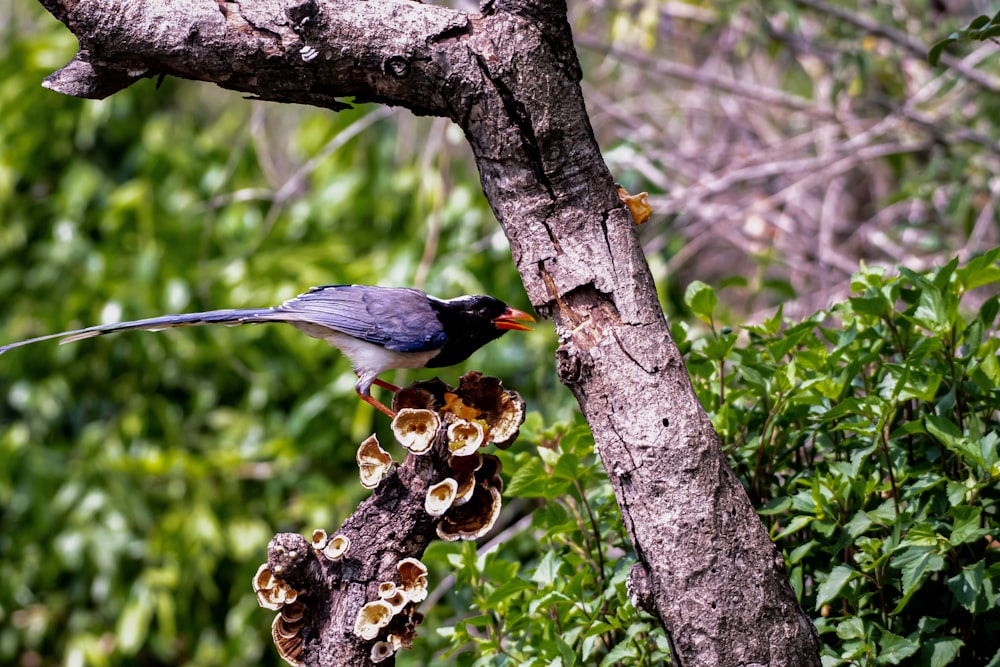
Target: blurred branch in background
pixel 783 143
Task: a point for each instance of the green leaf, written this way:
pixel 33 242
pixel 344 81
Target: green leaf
pixel 775 506
pixel 701 299
pixel 567 467
pixel 967 585
pixel 624 651
pixel 528 481
pixel 133 624
pixel 835 582
pixel 893 648
pixel 940 652
pixel 876 306
pixel 858 524
pixel 977 23
pixel 905 382
pixel 507 590
pixel 989 310
pixel 852 628
pixel 917 563
pixel 548 569
pixel 986 373
pixel 966 527
pixel 566 652
pixel 934 54
pixel 796 524
pixel 944 430
pixel 478 621
pixel 801 552
pixel 981 270
pixel 792 337
pixel 931 312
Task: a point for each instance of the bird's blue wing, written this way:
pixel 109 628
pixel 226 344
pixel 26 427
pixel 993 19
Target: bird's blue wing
pixel 397 318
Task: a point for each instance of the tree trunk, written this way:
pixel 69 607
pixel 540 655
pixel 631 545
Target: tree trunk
pixel 510 78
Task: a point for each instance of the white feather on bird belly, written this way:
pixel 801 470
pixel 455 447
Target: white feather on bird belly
pixel 367 358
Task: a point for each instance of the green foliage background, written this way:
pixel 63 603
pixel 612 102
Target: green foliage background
pixel 141 475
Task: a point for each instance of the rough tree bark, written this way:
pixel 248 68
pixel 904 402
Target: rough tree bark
pixel 509 77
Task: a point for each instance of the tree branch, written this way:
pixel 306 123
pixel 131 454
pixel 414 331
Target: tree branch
pixel 510 78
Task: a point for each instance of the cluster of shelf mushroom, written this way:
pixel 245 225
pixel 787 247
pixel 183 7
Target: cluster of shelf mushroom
pixel 463 499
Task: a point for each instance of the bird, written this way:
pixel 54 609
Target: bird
pixel 377 328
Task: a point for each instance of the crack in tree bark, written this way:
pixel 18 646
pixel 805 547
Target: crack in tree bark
pixel 519 116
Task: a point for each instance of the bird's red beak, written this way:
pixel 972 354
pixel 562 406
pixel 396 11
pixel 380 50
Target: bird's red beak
pixel 512 320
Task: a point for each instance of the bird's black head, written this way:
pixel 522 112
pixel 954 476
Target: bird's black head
pixel 472 321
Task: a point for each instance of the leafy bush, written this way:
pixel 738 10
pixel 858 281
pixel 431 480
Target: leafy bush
pixel 867 435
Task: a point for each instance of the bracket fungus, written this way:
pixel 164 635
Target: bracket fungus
pixel 415 429
pixel 336 547
pixel 449 425
pixel 275 594
pixel 476 398
pixel 473 519
pixel 465 468
pixel 465 437
pixel 394 614
pixel 508 419
pixel 502 410
pixel 272 592
pixel 489 471
pixel 373 617
pixel 285 632
pixel 319 539
pixel 393 596
pixel 477 499
pixel 373 462
pixel 466 485
pixel 413 579
pixel 441 496
pixel 381 651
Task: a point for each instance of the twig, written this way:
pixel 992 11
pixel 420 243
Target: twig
pixel 916 48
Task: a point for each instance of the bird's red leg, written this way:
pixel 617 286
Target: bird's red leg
pixel 385 385
pixel 375 403
pixel 364 393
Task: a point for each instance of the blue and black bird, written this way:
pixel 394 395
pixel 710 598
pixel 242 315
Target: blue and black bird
pixel 378 328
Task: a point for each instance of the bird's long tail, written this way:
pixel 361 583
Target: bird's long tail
pixel 227 317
